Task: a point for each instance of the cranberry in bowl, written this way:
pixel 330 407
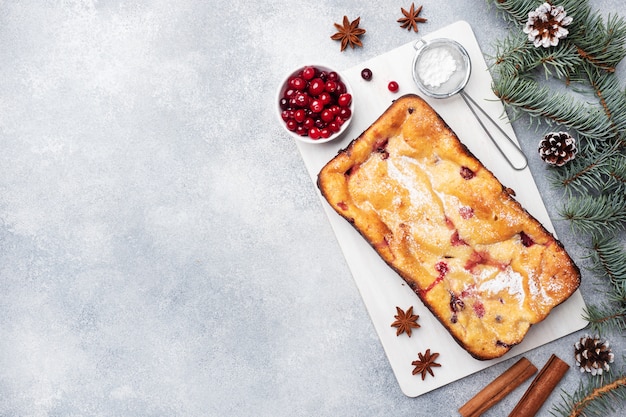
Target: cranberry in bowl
pixel 315 104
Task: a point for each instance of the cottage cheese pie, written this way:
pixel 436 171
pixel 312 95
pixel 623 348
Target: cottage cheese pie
pixel 475 257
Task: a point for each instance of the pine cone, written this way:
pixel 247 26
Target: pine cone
pixel 546 25
pixel 593 355
pixel 557 148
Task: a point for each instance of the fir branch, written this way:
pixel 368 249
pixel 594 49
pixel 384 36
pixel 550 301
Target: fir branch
pixel 540 102
pixel 612 99
pixel 592 46
pixel 609 260
pixel 515 55
pixel 563 59
pixel 594 399
pixel 516 11
pixel 596 215
pixel 602 44
pixel 598 168
pixel 617 295
pixel 617 177
pixel 595 182
pixel 605 319
pixel 579 11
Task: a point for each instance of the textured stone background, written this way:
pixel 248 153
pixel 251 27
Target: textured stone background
pixel 163 251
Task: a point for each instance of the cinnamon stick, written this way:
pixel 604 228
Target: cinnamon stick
pixel 540 389
pixel 498 388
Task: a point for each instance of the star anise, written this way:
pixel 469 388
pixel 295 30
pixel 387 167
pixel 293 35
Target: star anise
pixel 348 33
pixel 405 322
pixel 411 18
pixel 425 363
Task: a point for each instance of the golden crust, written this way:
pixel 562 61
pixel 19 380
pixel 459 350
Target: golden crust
pixel 483 265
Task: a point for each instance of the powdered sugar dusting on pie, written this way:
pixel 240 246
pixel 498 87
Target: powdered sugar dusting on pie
pixel 507 281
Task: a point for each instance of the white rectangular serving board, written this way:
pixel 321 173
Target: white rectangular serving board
pixel 381 288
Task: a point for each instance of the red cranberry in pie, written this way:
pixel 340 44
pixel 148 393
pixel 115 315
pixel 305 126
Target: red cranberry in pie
pixel 479 309
pixel 467 173
pixel 526 240
pixel 442 268
pixel 455 240
pixel 466 212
